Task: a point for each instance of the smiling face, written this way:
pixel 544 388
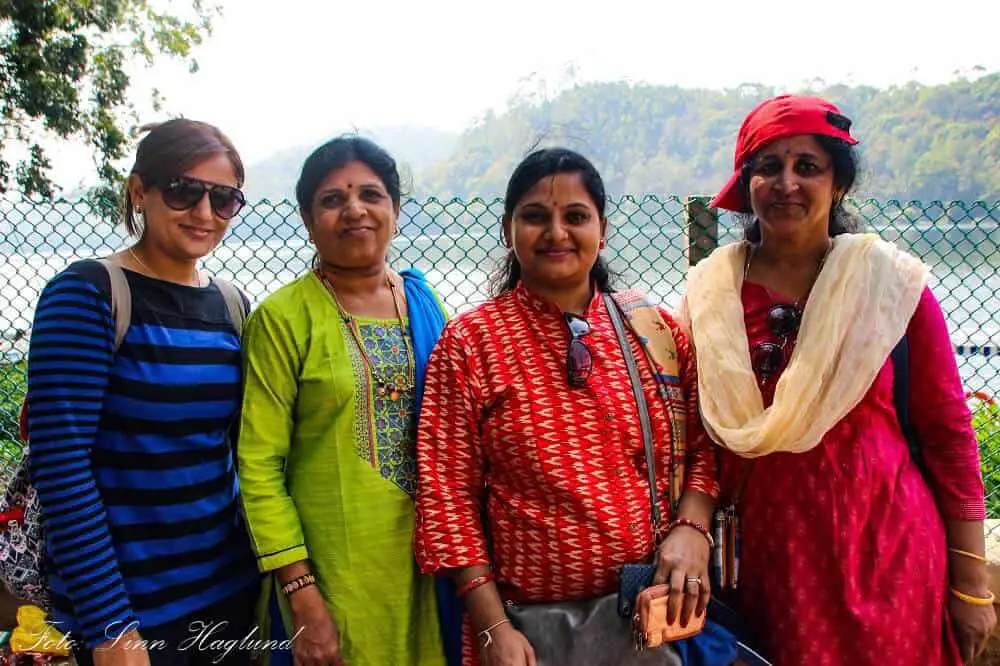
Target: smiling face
pixel 184 235
pixel 556 232
pixel 352 218
pixel 792 187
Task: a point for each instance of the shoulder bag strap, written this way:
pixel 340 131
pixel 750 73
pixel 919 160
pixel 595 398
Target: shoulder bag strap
pixel 901 398
pixel 234 303
pixel 121 299
pixel 640 401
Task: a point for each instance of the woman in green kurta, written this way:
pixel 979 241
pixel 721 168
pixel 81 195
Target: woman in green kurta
pixel 334 370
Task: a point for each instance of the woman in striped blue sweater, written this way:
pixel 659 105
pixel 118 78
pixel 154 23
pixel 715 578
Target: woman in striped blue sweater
pixel 131 447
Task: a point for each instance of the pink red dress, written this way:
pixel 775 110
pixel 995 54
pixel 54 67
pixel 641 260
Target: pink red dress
pixel 844 561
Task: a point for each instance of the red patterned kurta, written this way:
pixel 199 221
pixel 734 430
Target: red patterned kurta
pixel 568 499
pixel 843 550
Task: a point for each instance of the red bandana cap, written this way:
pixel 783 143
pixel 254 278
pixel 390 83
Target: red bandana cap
pixel 777 118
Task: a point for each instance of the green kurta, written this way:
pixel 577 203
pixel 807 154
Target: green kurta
pixel 312 488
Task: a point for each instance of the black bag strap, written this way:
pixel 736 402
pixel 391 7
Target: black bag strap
pixel 901 398
pixel 640 402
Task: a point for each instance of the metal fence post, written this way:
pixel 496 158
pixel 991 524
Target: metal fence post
pixel 702 228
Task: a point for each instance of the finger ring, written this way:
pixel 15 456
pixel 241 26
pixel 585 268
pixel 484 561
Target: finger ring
pixel 694 579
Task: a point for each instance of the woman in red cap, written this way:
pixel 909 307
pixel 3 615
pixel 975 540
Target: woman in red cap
pixel 852 550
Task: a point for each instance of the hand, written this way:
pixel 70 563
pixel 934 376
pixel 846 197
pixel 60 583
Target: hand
pixel 125 650
pixel 973 626
pixel 509 647
pixel 683 556
pixel 317 642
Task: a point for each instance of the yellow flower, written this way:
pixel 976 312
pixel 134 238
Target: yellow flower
pixel 34 634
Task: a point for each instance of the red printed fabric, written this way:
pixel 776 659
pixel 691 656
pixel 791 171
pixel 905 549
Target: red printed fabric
pixel 844 557
pixel 568 499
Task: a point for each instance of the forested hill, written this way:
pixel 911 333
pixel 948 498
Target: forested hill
pixel 917 142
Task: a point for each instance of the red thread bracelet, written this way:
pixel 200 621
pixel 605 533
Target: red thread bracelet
pixel 474 583
pixel 687 522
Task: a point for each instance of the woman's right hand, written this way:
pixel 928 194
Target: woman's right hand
pixel 317 641
pixel 508 647
pixel 126 650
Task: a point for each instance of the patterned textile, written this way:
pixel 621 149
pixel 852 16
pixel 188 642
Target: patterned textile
pixel 385 429
pixel 657 341
pixel 567 492
pixel 843 546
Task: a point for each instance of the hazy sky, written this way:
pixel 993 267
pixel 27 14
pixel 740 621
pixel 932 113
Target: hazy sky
pixel 276 74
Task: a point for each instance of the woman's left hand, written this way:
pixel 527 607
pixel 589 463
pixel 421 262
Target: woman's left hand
pixel 973 625
pixel 682 563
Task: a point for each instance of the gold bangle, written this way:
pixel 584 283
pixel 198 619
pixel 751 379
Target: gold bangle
pixel 975 601
pixel 965 553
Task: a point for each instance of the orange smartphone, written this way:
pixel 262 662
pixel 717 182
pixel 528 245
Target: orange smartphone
pixel 651 615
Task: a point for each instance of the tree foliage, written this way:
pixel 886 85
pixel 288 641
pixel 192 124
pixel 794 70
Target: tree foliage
pixel 63 75
pixel 917 142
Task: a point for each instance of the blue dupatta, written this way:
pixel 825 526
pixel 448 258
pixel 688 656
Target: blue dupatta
pixel 427 320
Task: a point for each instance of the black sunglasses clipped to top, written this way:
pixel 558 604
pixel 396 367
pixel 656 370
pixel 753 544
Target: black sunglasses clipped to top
pixel 579 359
pixel 183 193
pixel 766 357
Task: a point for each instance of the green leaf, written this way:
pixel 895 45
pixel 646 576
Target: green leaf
pixel 62 76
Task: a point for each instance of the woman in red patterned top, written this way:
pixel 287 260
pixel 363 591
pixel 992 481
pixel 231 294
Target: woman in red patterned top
pixel 529 395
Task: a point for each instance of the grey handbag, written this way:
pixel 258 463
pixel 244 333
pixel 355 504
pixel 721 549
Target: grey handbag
pixel 592 631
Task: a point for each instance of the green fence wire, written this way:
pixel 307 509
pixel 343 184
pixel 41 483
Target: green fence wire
pixel 457 244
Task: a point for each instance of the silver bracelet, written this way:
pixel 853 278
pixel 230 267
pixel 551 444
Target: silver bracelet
pixel 486 632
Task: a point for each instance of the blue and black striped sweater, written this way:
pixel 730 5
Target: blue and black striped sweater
pixel 130 452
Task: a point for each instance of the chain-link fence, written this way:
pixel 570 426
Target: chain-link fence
pixel 457 244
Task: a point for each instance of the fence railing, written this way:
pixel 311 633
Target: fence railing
pixel 651 241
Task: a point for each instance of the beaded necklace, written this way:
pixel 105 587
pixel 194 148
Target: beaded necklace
pixel 391 387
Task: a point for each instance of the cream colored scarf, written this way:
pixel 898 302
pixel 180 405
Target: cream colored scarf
pixel 857 311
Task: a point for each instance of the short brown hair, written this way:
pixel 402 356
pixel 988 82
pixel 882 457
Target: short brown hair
pixel 170 149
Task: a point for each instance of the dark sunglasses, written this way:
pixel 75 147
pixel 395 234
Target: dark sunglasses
pixel 183 193
pixel 579 359
pixel 766 357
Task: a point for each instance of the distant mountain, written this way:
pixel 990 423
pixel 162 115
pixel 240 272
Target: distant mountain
pixel 414 148
pixel 917 142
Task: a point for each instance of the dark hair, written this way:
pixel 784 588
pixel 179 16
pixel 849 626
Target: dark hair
pixel 541 164
pixel 339 152
pixel 171 148
pixel 845 175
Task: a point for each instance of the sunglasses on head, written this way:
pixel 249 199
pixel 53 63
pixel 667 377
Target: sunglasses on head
pixel 579 359
pixel 766 357
pixel 184 193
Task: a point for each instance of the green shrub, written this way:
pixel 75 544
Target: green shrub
pixel 13 384
pixel 986 421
